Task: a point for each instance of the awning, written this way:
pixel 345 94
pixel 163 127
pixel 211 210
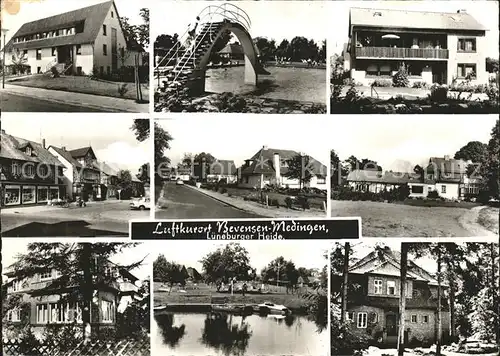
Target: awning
pixel 390 37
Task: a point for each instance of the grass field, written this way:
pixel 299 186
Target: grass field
pixel 204 293
pixel 81 84
pixel 488 218
pixel 398 220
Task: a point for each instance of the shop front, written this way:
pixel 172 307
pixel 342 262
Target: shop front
pixel 15 194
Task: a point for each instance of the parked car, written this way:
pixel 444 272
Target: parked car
pixel 141 204
pixel 271 308
pixel 179 182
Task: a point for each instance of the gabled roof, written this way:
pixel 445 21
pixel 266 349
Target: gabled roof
pixel 263 162
pixel 106 168
pixel 66 155
pixel 373 262
pixel 92 16
pixel 392 18
pixel 222 166
pixel 81 152
pixel 12 148
pixel 232 48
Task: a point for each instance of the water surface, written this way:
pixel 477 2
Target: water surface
pixel 221 334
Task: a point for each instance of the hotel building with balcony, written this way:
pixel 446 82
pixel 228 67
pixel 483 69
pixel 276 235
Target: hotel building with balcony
pixel 435 47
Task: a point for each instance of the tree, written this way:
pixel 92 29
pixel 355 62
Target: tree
pixel 19 60
pixel 137 33
pixel 490 167
pixel 70 260
pixel 338 169
pixel 226 263
pixel 267 48
pixel 201 164
pixel 169 272
pixel 474 151
pixel 284 49
pixel 491 65
pixel 162 143
pixel 124 184
pixel 364 164
pixel 345 282
pixel 402 298
pixel 300 167
pixel 419 172
pixel 282 270
pixel 322 52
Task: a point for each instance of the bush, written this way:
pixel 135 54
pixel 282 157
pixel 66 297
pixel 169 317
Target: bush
pixel 274 202
pixel 122 90
pixel 303 202
pixel 419 85
pixel 492 92
pixel 439 93
pixel 289 202
pixel 400 79
pixel 383 83
pixel 223 190
pixel 433 194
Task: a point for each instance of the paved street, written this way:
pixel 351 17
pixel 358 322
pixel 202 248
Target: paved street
pixel 186 203
pixel 17 103
pixel 97 219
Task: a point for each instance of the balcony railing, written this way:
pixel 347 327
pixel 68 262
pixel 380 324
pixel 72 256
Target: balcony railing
pixel 409 53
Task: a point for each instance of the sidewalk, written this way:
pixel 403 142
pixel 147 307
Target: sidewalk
pixel 255 208
pixel 41 209
pixel 104 103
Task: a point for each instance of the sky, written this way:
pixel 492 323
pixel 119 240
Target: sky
pixel 240 137
pixel 30 10
pixel 398 142
pixel 110 136
pixel 11 248
pixel 486 12
pixel 261 253
pixel 273 20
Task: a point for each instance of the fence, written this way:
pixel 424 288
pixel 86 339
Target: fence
pixel 99 348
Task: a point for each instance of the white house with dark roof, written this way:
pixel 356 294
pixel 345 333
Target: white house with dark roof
pixel 76 42
pixel 435 47
pixel 270 166
pixel 223 169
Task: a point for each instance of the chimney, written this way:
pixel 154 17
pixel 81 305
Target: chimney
pixel 446 158
pixel 3 131
pixel 63 148
pixel 43 143
pixel 277 167
pixel 461 11
pixel 264 148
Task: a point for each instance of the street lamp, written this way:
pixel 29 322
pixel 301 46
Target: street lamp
pixel 4 32
pixel 278 276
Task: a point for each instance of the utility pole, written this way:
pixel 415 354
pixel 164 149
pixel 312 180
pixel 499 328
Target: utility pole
pixel 4 66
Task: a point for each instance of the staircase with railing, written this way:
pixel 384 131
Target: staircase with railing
pixel 185 63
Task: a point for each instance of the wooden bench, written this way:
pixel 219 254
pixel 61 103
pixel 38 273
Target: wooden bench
pixel 218 300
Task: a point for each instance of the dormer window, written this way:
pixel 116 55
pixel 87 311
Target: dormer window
pixel 45 276
pixel 377 13
pixel 28 151
pixel 15 169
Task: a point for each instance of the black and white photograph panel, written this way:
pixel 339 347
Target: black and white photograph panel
pixel 58 181
pixel 75 56
pixel 450 304
pixel 247 298
pixel 418 178
pixel 218 170
pixel 75 299
pixel 414 57
pixel 240 56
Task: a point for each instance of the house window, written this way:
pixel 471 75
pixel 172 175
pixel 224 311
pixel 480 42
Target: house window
pixel 15 169
pixel 362 320
pixel 378 286
pixel 122 52
pixel 44 276
pixel 425 319
pixel 321 180
pixel 39 70
pixel 54 51
pixel 104 49
pixel 101 70
pixel 417 189
pixel 14 315
pixel 30 170
pixel 112 14
pixel 43 194
pixel 42 313
pixel 443 189
pixel 108 70
pixel 349 316
pixel 104 32
pixel 106 311
pixel 466 70
pixel 466 45
pixel 12 195
pixel 391 288
pixel 29 196
pixel 78 49
pixel 79 71
pixel 25 52
pixel 38 54
pixel 413 318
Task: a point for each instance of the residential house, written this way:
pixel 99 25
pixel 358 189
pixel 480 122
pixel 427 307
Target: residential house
pixel 435 47
pixel 137 186
pixel 183 172
pixel 30 174
pixel 109 180
pixel 232 51
pixel 448 177
pixel 224 170
pixel 47 297
pixel 373 300
pixel 82 178
pixel 79 42
pixel 270 167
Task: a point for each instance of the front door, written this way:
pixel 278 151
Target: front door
pixel 391 324
pixel 114 50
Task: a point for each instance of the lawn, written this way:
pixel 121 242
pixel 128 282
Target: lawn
pixel 488 218
pixel 398 220
pixel 81 84
pixel 204 293
pixel 315 201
